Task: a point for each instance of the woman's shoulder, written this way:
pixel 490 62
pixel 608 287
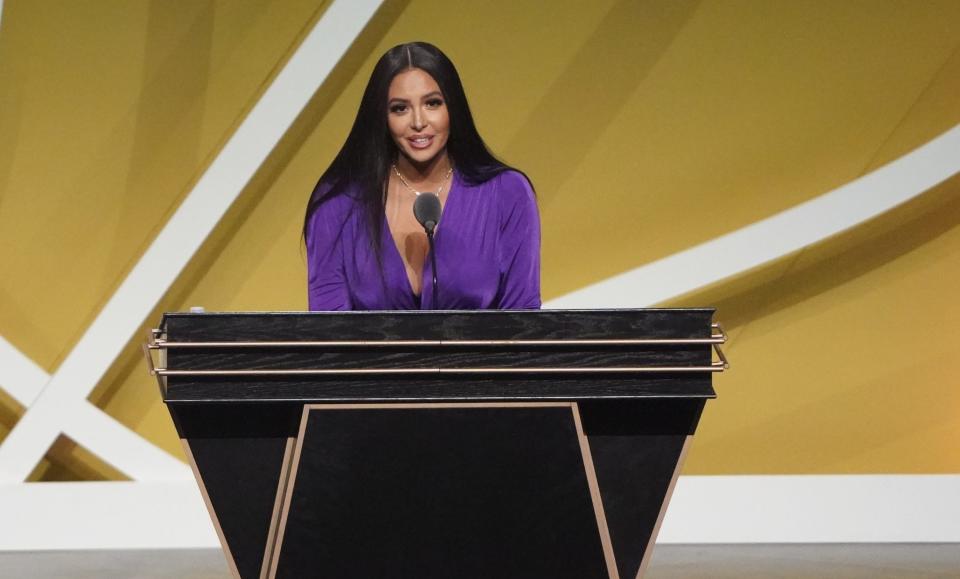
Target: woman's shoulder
pixel 514 181
pixel 335 207
pixel 510 183
pixel 337 200
pixel 514 191
pixel 510 195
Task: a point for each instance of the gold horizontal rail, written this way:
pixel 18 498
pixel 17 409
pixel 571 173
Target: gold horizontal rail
pixel 718 337
pixel 715 367
pixel 165 345
pixel 158 343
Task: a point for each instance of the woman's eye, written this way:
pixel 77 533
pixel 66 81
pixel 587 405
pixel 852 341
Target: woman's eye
pixel 434 103
pixel 397 108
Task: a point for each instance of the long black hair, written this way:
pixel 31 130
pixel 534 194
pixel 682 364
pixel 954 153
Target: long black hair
pixel 362 165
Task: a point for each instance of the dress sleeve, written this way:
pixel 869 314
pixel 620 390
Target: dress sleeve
pixel 519 244
pixel 326 279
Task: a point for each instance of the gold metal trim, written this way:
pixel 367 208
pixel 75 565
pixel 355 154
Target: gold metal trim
pixel 163 344
pixel 715 367
pixel 155 342
pixel 274 563
pixel 721 337
pixel 274 530
pixel 590 470
pixel 151 365
pixel 651 543
pixel 231 561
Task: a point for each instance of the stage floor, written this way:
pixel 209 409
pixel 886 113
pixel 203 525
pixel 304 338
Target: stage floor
pixel 901 561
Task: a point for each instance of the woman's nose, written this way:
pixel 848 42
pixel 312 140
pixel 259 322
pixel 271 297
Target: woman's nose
pixel 417 120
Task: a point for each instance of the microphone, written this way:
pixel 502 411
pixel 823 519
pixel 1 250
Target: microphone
pixel 427 210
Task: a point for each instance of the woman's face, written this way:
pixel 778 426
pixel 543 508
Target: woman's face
pixel 417 117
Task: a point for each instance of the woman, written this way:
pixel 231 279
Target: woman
pixel 414 133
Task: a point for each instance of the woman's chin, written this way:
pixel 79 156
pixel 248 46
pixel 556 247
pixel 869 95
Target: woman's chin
pixel 421 157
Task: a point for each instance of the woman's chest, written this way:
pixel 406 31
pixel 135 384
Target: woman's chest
pixel 467 265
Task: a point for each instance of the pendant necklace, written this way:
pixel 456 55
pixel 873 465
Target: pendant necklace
pixel 418 193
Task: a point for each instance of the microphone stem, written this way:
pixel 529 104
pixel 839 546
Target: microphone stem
pixel 433 265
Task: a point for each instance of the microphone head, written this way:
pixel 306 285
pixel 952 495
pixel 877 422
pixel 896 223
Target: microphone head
pixel 427 210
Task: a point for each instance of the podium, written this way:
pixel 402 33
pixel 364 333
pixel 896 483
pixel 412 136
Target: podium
pixel 469 444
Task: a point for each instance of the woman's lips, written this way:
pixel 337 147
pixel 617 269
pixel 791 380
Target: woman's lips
pixel 421 142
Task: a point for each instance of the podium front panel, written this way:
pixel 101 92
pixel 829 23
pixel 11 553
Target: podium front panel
pixel 436 444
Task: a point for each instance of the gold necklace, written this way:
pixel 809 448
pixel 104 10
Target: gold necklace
pixel 418 193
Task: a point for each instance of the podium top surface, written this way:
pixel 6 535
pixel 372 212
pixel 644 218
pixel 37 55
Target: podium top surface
pixel 459 324
pixel 437 355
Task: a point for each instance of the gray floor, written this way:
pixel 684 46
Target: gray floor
pixel 669 562
pixel 805 561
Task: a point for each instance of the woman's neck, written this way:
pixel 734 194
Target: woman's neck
pixel 431 172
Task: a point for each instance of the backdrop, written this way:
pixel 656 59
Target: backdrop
pixel 648 127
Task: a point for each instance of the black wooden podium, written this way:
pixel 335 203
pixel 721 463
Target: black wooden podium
pixel 486 444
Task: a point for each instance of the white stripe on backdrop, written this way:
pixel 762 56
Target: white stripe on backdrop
pixel 778 235
pixel 162 507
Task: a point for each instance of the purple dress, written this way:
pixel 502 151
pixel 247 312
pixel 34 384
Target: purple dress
pixel 487 245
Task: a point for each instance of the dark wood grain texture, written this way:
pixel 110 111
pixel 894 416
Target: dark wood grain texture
pixel 635 423
pixel 392 326
pixel 464 325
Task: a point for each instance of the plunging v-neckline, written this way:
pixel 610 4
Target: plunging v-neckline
pixel 418 297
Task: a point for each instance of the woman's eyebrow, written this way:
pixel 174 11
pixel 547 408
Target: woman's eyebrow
pixel 435 93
